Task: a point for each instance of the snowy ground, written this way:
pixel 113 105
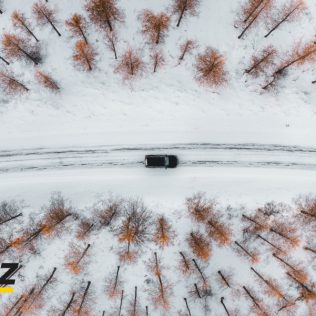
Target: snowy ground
pixel 96 109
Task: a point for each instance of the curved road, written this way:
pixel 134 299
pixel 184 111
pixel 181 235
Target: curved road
pixel 193 154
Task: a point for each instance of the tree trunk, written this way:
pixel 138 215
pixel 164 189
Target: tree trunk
pixel 147 311
pixel 199 270
pixel 135 302
pixel 310 249
pixel 185 260
pixel 69 304
pixel 83 254
pixel 43 287
pixel 223 278
pixel 187 305
pixel 244 249
pixel 29 31
pixel 268 283
pixel 251 22
pixel 84 297
pixel 53 26
pixel 197 290
pixel 226 310
pixel 181 14
pixel 282 21
pixel 4 60
pixel 11 218
pixel 252 298
pixel 254 66
pixel 27 297
pixel 283 261
pixel 121 303
pixel 270 243
pixel 83 35
pixel 253 11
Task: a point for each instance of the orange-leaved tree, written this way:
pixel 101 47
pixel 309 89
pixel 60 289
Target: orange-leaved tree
pixel 155 26
pixel 84 55
pixel 210 68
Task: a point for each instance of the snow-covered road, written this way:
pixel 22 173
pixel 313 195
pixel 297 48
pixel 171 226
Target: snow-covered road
pixel 190 154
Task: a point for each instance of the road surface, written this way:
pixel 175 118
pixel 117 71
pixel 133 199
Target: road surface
pixel 205 154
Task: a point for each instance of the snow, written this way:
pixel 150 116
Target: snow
pixel 97 110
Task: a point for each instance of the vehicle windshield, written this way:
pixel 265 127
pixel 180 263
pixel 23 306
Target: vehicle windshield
pixel 166 161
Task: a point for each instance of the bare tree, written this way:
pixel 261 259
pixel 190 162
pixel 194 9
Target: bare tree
pixel 199 207
pixel 157 59
pixel 218 231
pixel 45 15
pixel 300 55
pixel 75 258
pixel 17 47
pixel 253 256
pixel 131 65
pixel 9 211
pixel 77 25
pixel 272 287
pixel 185 7
pixel 294 269
pixel 108 211
pixel 114 284
pixel 20 22
pixel 185 264
pixel 46 80
pixel 210 68
pixel 104 13
pixel 161 290
pixel 11 85
pixel 85 228
pixel 262 61
pixel 84 55
pixel 155 26
pixel 111 41
pixel 186 48
pixel 288 12
pixel 134 230
pixel 251 13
